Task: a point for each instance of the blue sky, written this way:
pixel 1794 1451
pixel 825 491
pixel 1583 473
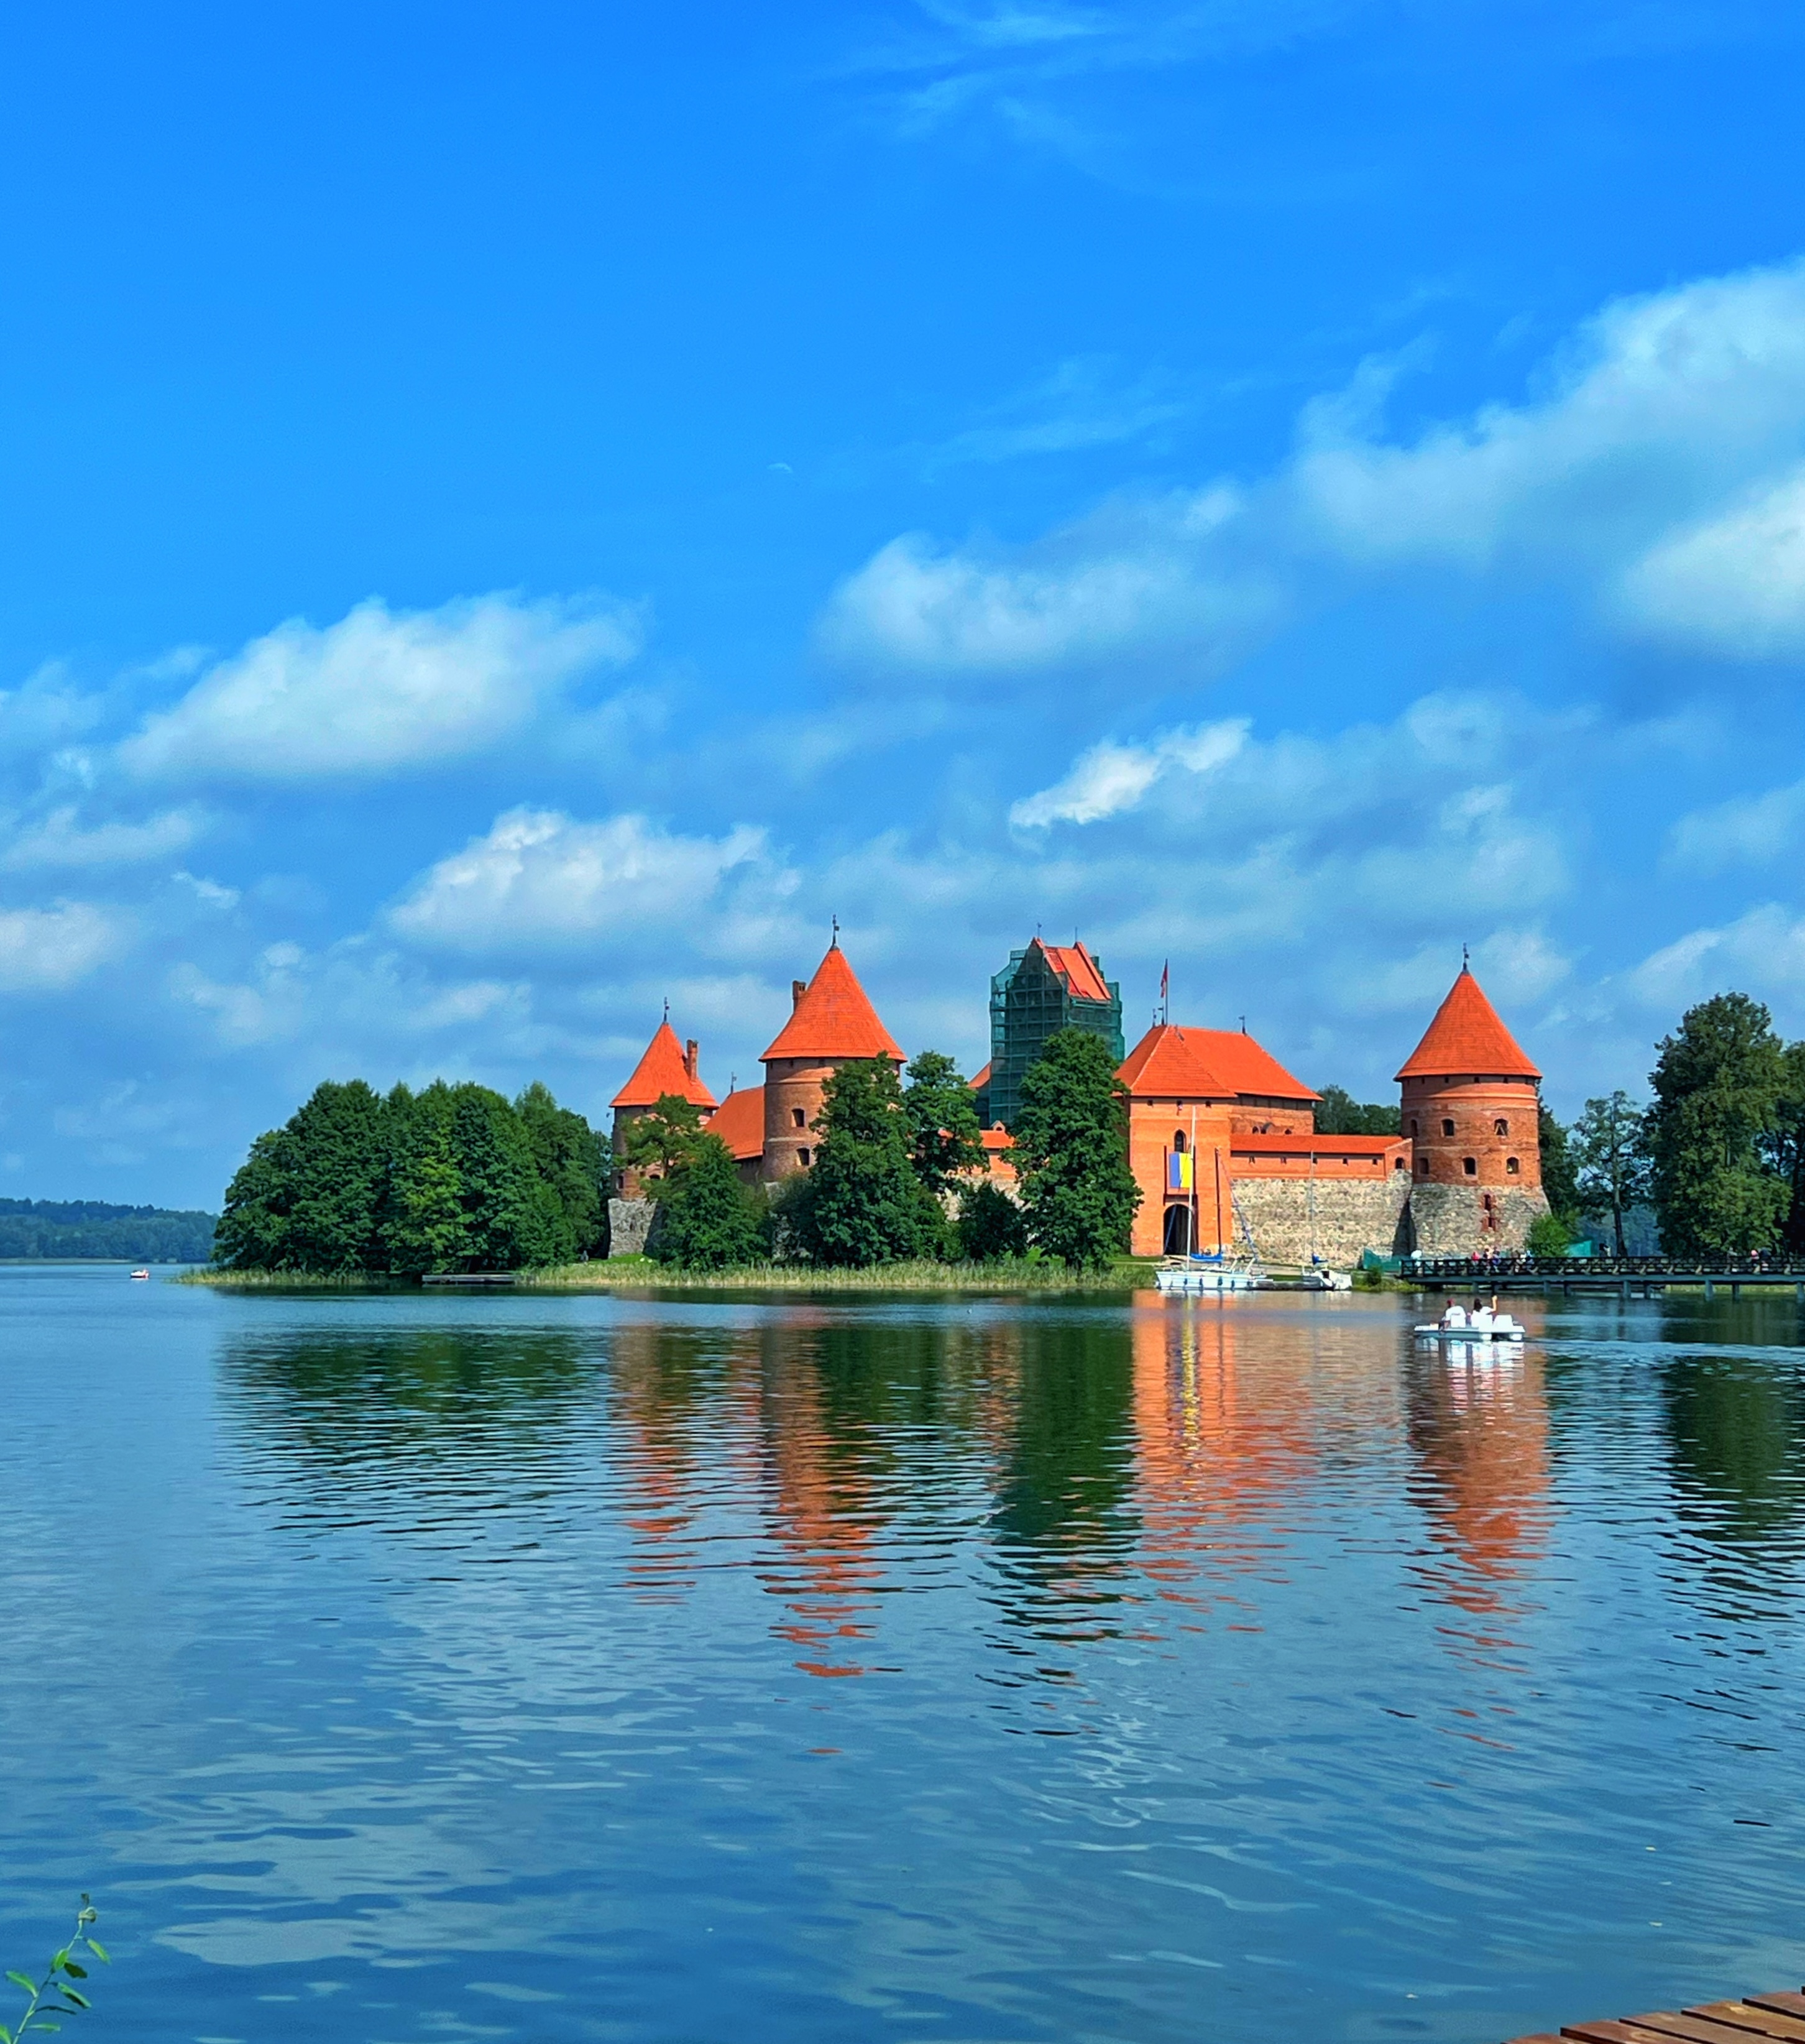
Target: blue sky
pixel 512 514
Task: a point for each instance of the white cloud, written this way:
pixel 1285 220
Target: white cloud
pixel 1734 584
pixel 1132 575
pixel 60 840
pixel 379 691
pixel 1748 830
pixel 541 880
pixel 1762 952
pixel 43 950
pixel 1663 411
pixel 1110 778
pixel 1659 401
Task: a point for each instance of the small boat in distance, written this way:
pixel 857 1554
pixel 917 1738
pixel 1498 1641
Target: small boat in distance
pixel 1192 1275
pixel 1477 1323
pixel 141 1274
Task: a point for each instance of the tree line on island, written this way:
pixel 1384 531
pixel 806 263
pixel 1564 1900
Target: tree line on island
pixel 459 1178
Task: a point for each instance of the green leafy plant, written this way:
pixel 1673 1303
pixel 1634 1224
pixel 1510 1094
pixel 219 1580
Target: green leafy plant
pixel 56 1994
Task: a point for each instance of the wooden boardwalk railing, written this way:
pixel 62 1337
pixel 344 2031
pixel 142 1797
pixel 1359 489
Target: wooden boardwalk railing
pixel 1756 2016
pixel 1624 1275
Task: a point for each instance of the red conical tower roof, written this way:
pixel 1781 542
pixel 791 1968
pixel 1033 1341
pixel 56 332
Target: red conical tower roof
pixel 662 1070
pixel 1467 1036
pixel 834 1018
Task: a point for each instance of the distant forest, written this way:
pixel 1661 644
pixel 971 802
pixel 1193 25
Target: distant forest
pixel 73 1230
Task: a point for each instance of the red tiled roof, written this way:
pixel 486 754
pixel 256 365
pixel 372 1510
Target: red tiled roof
pixel 739 1122
pixel 661 1070
pixel 996 1138
pixel 978 1082
pixel 1466 1035
pixel 1207 1064
pixel 1078 968
pixel 835 1019
pixel 1318 1146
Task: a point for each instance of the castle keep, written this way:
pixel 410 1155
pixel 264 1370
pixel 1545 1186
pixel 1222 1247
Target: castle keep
pixel 1222 1139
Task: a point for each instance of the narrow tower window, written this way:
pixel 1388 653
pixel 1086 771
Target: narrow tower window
pixel 1178 1142
pixel 1447 1129
pixel 799 1117
pixel 802 1158
pixel 1470 1166
pixel 1416 1127
pixel 1510 1166
pixel 1500 1126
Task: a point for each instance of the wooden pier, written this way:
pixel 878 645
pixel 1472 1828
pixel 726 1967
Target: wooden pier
pixel 1756 2016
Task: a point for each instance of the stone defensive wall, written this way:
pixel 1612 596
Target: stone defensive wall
pixel 1335 1218
pixel 1459 1220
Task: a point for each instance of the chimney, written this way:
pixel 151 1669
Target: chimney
pixel 797 988
pixel 691 1051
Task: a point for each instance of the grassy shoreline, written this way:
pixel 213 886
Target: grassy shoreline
pixel 640 1273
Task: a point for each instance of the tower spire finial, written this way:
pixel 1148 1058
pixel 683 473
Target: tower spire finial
pixel 667 1008
pixel 835 944
pixel 1465 962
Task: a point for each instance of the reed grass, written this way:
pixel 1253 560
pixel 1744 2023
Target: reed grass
pixel 292 1281
pixel 639 1274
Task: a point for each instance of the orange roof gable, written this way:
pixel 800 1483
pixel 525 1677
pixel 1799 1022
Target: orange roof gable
pixel 1466 1035
pixel 1078 968
pixel 979 1080
pixel 1316 1145
pixel 1206 1064
pixel 835 1019
pixel 739 1122
pixel 661 1070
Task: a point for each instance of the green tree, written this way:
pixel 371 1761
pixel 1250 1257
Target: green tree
pixel 991 1226
pixel 1559 1182
pixel 512 1216
pixel 1611 1163
pixel 1071 1152
pixel 423 1225
pixel 1718 1082
pixel 1549 1235
pixel 659 1142
pixel 569 1158
pixel 253 1230
pixel 708 1220
pixel 942 1114
pixel 341 1153
pixel 863 1203
pixel 1787 1145
pixel 1339 1113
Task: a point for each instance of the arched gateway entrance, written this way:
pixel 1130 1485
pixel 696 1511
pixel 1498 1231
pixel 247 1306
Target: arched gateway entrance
pixel 1178 1236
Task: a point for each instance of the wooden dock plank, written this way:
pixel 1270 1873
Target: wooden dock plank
pixel 1609 2030
pixel 1690 2029
pixel 1751 2018
pixel 1778 2016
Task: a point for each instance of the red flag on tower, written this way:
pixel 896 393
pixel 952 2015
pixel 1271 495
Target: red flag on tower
pixel 1165 982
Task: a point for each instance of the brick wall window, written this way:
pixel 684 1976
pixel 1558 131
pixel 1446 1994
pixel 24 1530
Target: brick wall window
pixel 1510 1167
pixel 1500 1126
pixel 1470 1166
pixel 1447 1129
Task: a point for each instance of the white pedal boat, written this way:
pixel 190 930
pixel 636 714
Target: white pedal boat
pixel 1483 1324
pixel 1199 1274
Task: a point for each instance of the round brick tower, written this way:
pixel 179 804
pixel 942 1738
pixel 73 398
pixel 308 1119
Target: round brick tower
pixel 831 1023
pixel 1470 1112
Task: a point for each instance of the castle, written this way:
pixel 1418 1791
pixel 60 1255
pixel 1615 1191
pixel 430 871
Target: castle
pixel 1222 1139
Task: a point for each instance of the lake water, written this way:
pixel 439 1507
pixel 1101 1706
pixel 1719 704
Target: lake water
pixel 408 1667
